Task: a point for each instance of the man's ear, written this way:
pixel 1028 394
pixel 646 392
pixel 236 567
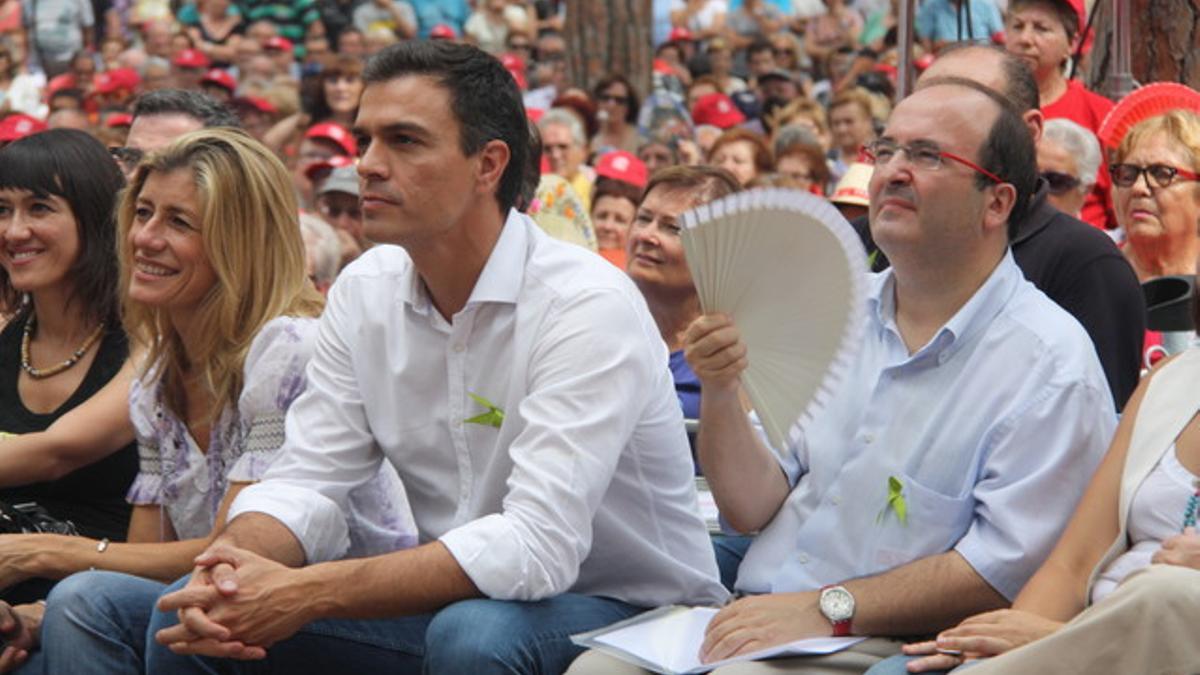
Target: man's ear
pixel 493 160
pixel 998 206
pixel 1036 121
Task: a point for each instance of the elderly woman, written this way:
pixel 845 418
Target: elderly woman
pixel 1156 193
pixel 742 153
pixel 1068 157
pixel 1130 555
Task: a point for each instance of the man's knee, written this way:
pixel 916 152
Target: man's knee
pixel 486 636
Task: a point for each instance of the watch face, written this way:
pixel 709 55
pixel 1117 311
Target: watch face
pixel 837 604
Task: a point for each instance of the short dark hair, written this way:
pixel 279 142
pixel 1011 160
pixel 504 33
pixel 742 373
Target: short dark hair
pixel 483 98
pixel 611 187
pixel 1008 150
pixel 73 165
pixel 532 177
pixel 760 44
pixel 197 105
pixel 631 100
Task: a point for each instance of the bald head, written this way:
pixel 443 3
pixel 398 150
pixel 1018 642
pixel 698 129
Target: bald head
pixel 995 69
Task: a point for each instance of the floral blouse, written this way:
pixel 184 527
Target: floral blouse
pixel 190 483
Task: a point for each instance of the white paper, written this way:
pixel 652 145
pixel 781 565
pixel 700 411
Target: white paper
pixel 668 641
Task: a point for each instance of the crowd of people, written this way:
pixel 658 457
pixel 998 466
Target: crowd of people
pixel 351 336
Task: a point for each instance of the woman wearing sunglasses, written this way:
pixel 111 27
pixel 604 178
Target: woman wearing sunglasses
pixel 1156 194
pixel 1068 157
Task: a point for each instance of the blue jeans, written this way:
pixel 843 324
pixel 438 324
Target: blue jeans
pixel 102 622
pixel 730 549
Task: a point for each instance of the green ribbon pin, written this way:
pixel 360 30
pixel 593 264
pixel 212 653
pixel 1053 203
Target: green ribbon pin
pixel 494 416
pixel 895 502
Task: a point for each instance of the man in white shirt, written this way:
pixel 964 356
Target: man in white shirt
pixel 937 478
pixel 518 385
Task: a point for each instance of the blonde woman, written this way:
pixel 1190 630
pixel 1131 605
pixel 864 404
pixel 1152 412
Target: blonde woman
pixel 214 284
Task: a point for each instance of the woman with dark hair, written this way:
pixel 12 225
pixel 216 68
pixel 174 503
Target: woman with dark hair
pixel 64 377
pixel 213 273
pixel 617 115
pixel 334 98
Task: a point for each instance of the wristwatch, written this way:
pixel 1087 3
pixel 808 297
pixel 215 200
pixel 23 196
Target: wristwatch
pixel 837 604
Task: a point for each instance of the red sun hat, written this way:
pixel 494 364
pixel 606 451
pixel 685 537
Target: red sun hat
pixel 680 34
pixel 515 65
pixel 280 43
pixel 335 133
pixel 718 110
pixel 623 166
pixel 220 78
pixel 118 120
pixel 1149 101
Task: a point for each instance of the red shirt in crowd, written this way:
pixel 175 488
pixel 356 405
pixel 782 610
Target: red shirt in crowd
pixel 1088 110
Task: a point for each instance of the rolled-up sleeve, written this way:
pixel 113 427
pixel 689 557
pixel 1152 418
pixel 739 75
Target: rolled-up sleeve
pixel 1035 461
pixel 589 377
pixel 328 451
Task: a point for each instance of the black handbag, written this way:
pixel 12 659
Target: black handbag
pixel 28 518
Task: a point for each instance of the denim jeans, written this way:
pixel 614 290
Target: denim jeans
pixel 730 550
pixel 102 622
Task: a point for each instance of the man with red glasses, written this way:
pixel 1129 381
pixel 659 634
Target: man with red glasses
pixel 939 475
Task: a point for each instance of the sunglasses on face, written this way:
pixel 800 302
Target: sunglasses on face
pixel 1125 175
pixel 610 98
pixel 331 211
pixel 1060 183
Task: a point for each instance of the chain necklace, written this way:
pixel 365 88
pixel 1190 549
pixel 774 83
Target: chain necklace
pixel 41 374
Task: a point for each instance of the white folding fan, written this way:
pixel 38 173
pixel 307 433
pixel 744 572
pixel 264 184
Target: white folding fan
pixel 791 273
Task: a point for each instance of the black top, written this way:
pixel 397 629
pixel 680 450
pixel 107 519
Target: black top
pixel 1080 268
pixel 92 497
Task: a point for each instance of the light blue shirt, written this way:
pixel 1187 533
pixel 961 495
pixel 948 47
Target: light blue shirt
pixel 993 428
pixel 430 13
pixel 939 20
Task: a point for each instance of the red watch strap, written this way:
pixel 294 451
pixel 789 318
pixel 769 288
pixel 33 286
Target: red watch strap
pixel 841 628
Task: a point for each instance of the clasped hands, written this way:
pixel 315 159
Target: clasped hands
pixel 236 605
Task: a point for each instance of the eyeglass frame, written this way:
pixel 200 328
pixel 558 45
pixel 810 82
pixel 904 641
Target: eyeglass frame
pixel 127 156
pixel 1145 171
pixel 869 150
pixel 1074 182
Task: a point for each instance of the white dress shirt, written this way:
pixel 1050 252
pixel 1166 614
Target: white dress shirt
pixel 586 485
pixel 993 429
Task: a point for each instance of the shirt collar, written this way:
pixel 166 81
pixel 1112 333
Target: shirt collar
pixel 502 274
pixel 972 317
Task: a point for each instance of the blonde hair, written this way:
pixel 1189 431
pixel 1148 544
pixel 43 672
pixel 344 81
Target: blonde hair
pixel 251 235
pixel 801 108
pixel 1181 126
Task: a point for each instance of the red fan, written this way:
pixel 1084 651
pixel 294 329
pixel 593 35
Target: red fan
pixel 1146 102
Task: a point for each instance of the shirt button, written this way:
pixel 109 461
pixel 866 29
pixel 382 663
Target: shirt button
pixel 803 558
pixel 868 438
pixel 835 500
pixel 459 348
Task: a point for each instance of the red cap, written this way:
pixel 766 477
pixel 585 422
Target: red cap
pixel 220 78
pixel 262 105
pixel 442 32
pixel 191 58
pixel 118 120
pixel 117 79
pixel 718 110
pixel 534 114
pixel 334 162
pixel 278 42
pixel 623 166
pixel 515 65
pixel 19 125
pixel 58 83
pixel 336 133
pixel 680 34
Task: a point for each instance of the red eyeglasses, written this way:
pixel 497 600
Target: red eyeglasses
pixel 925 156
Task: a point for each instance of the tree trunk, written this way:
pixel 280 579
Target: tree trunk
pixel 1164 44
pixel 609 36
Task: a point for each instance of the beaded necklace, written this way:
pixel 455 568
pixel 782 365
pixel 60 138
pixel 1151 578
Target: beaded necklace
pixel 1189 513
pixel 41 374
